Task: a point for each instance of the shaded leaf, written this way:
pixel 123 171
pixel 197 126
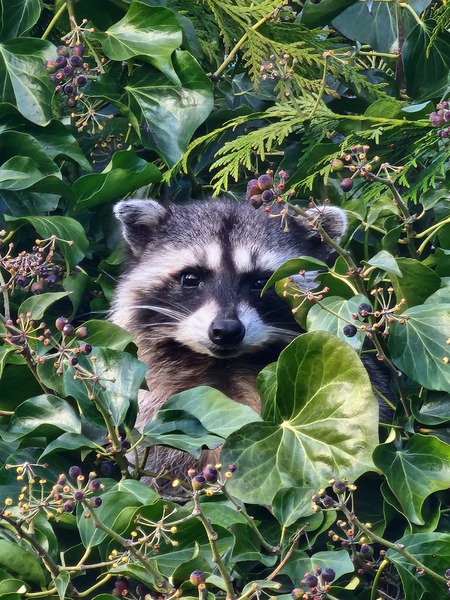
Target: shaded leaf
pixel 406 287
pixel 419 346
pixel 21 561
pixel 18 17
pixel 68 441
pixel 416 471
pixel 37 305
pixel 384 260
pixel 317 15
pixel 107 334
pixel 293 266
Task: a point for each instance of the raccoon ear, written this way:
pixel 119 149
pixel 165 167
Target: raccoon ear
pixel 138 219
pixel 332 218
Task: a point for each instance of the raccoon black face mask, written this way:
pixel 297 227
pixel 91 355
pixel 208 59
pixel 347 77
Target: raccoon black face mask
pixel 191 293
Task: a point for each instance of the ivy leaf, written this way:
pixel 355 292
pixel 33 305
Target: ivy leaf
pixel 314 15
pixel 25 82
pixel 385 261
pixel 292 267
pixel 18 17
pixel 431 549
pixel 21 561
pixel 43 415
pixel 423 454
pixel 65 228
pixel 107 334
pixel 426 64
pixel 419 346
pixel 319 319
pixel 406 287
pixel 68 441
pixel 37 305
pixel 150 32
pixel 325 423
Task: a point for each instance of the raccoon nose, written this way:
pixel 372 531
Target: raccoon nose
pixel 226 332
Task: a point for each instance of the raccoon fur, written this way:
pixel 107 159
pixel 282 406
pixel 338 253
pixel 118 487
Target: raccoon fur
pixel 191 293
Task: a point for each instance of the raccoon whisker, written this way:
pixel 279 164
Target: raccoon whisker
pixel 178 315
pixel 285 332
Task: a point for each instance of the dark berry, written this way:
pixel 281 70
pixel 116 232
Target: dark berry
pixel 69 89
pixel 349 330
pixel 328 574
pixel 297 593
pixel 315 1
pixel 232 467
pixel 126 445
pixel 339 487
pixel 327 501
pixel 256 201
pixel 37 287
pixel 73 360
pixel 68 506
pixel 366 551
pixel 82 333
pixel 107 469
pixel 142 590
pixel 21 281
pixel 197 577
pixel 265 181
pixel 62 51
pixel 364 309
pixel 121 586
pixel 78 50
pixel 75 60
pixel 50 66
pixel 337 164
pixel 198 482
pixel 61 322
pixel 68 329
pixel 51 280
pixel 210 473
pixel 61 62
pixel 74 472
pixel 85 348
pixel 81 80
pixel 310 580
pixel 78 495
pixel 68 71
pixel 71 101
pixel 447 574
pixel 267 196
pixel 94 485
pixel 346 184
pixel 96 501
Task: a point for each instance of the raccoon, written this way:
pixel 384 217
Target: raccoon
pixel 191 293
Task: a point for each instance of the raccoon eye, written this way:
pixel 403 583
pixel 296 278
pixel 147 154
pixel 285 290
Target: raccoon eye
pixel 259 284
pixel 190 280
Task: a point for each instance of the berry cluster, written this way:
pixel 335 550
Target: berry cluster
pixel 69 72
pixel 210 479
pixel 440 118
pixel 279 67
pixel 63 496
pixel 123 588
pixel 382 316
pixel 266 191
pixel 66 346
pixel 317 584
pixel 36 271
pixel 356 162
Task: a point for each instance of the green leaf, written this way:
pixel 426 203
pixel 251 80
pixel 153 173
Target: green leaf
pixel 43 415
pixel 61 583
pixel 215 411
pixel 415 472
pixel 419 347
pixel 413 271
pixel 291 504
pixel 5 351
pixel 25 82
pixel 385 261
pixel 108 335
pixel 124 174
pixel 317 15
pixel 64 228
pixel 325 423
pixel 150 32
pixel 426 64
pixel 338 560
pixel 18 17
pixel 431 549
pixel 21 561
pixel 319 319
pixel 68 441
pixel 37 305
pixel 120 376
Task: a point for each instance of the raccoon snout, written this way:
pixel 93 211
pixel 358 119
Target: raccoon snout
pixel 226 332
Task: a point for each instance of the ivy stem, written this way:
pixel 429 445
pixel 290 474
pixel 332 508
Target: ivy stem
pixel 393 546
pixel 212 536
pixel 71 11
pixel 322 86
pixel 374 592
pixel 264 543
pixel 54 20
pixel 50 564
pixel 160 580
pixel 5 297
pixel 288 554
pixel 398 200
pixel 430 233
pixel 229 59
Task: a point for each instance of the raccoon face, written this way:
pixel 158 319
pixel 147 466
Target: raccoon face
pixel 197 271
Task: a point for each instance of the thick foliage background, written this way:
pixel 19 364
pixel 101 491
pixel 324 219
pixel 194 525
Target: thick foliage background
pixel 342 101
